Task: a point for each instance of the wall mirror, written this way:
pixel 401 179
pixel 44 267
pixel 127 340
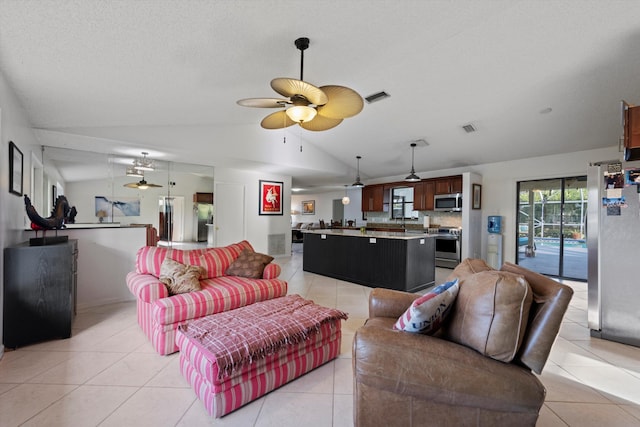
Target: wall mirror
pixel 95 184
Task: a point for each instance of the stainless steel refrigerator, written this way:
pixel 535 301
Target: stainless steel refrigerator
pixel 202 215
pixel 613 241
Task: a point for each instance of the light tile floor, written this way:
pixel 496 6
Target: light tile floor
pixel 107 374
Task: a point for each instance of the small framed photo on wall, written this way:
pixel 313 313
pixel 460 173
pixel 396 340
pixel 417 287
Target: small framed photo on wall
pixel 15 169
pixel 477 196
pixel 309 207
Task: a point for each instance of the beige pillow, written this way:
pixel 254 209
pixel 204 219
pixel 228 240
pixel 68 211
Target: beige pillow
pixel 180 278
pixel 491 314
pixel 249 264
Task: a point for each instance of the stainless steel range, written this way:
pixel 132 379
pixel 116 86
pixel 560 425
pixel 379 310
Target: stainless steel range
pixel 448 249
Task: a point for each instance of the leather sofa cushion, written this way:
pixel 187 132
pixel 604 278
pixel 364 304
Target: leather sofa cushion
pixel 491 314
pixel 550 301
pixel 421 368
pixel 468 267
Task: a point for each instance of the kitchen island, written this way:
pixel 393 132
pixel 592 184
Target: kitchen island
pixel 394 260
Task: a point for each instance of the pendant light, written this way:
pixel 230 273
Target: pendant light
pixel 358 183
pixel 412 176
pixel 346 200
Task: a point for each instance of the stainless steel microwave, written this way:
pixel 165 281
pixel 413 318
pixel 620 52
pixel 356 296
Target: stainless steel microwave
pixel 447 202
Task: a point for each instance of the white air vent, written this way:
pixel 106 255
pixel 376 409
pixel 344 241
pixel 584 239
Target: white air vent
pixel 469 127
pixel 275 244
pixel 377 97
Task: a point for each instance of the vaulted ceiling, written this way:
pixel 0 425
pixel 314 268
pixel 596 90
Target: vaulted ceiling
pixel 533 78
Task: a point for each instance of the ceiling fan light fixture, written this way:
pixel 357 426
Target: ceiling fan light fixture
pixel 143 164
pixel 412 177
pixel 301 113
pixel 358 183
pixel 132 171
pixel 143 186
pixel 312 108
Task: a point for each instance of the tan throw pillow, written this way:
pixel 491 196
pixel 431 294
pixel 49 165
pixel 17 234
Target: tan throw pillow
pixel 180 278
pixel 491 314
pixel 249 264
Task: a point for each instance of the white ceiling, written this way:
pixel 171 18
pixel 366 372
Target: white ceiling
pixel 164 76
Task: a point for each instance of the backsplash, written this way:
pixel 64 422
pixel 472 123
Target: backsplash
pixel 443 219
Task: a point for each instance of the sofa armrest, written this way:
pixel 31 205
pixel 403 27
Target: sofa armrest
pixel 389 303
pixel 146 287
pixel 271 271
pixel 433 369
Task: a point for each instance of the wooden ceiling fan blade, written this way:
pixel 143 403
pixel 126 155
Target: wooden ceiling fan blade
pixel 321 123
pixel 277 120
pixel 290 87
pixel 343 102
pixel 263 102
pixel 131 185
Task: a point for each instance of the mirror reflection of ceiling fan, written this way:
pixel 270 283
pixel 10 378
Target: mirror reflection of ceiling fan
pixel 313 108
pixel 137 170
pixel 142 185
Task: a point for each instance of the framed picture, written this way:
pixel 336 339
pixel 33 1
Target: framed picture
pixel 270 198
pixel 477 196
pixel 309 207
pixel 15 169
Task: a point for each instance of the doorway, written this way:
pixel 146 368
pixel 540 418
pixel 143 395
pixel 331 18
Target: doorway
pixel 552 227
pixel 171 218
pixel 337 211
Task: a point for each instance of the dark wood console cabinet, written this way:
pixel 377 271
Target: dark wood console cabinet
pixel 39 292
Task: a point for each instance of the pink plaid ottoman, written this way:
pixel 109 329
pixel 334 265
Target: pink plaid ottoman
pixel 234 357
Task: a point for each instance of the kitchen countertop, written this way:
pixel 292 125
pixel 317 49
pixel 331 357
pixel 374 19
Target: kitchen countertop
pixel 369 233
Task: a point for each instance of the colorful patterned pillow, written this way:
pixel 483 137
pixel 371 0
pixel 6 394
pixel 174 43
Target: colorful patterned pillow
pixel 426 314
pixel 249 264
pixel 180 278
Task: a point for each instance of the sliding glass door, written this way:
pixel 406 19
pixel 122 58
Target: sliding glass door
pixel 551 229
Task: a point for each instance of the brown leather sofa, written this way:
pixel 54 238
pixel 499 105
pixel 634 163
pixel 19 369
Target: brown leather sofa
pixel 411 379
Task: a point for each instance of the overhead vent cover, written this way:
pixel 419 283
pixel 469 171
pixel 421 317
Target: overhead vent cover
pixel 377 97
pixel 469 127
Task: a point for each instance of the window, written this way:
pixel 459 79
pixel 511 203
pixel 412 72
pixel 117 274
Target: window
pixel 402 203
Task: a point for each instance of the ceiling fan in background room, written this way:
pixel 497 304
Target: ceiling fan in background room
pixel 141 185
pixel 313 108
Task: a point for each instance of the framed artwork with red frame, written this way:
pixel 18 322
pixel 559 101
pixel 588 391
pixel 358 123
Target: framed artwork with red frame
pixel 270 198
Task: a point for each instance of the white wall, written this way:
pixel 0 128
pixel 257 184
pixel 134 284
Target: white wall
pixel 14 126
pixel 259 227
pixel 499 186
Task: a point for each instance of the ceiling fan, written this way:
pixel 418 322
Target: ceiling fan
pixel 313 108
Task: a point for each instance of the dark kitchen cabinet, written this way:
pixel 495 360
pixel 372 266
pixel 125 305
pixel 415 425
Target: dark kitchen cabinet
pixel 448 185
pixel 39 292
pixel 423 195
pixel 631 132
pixel 373 198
